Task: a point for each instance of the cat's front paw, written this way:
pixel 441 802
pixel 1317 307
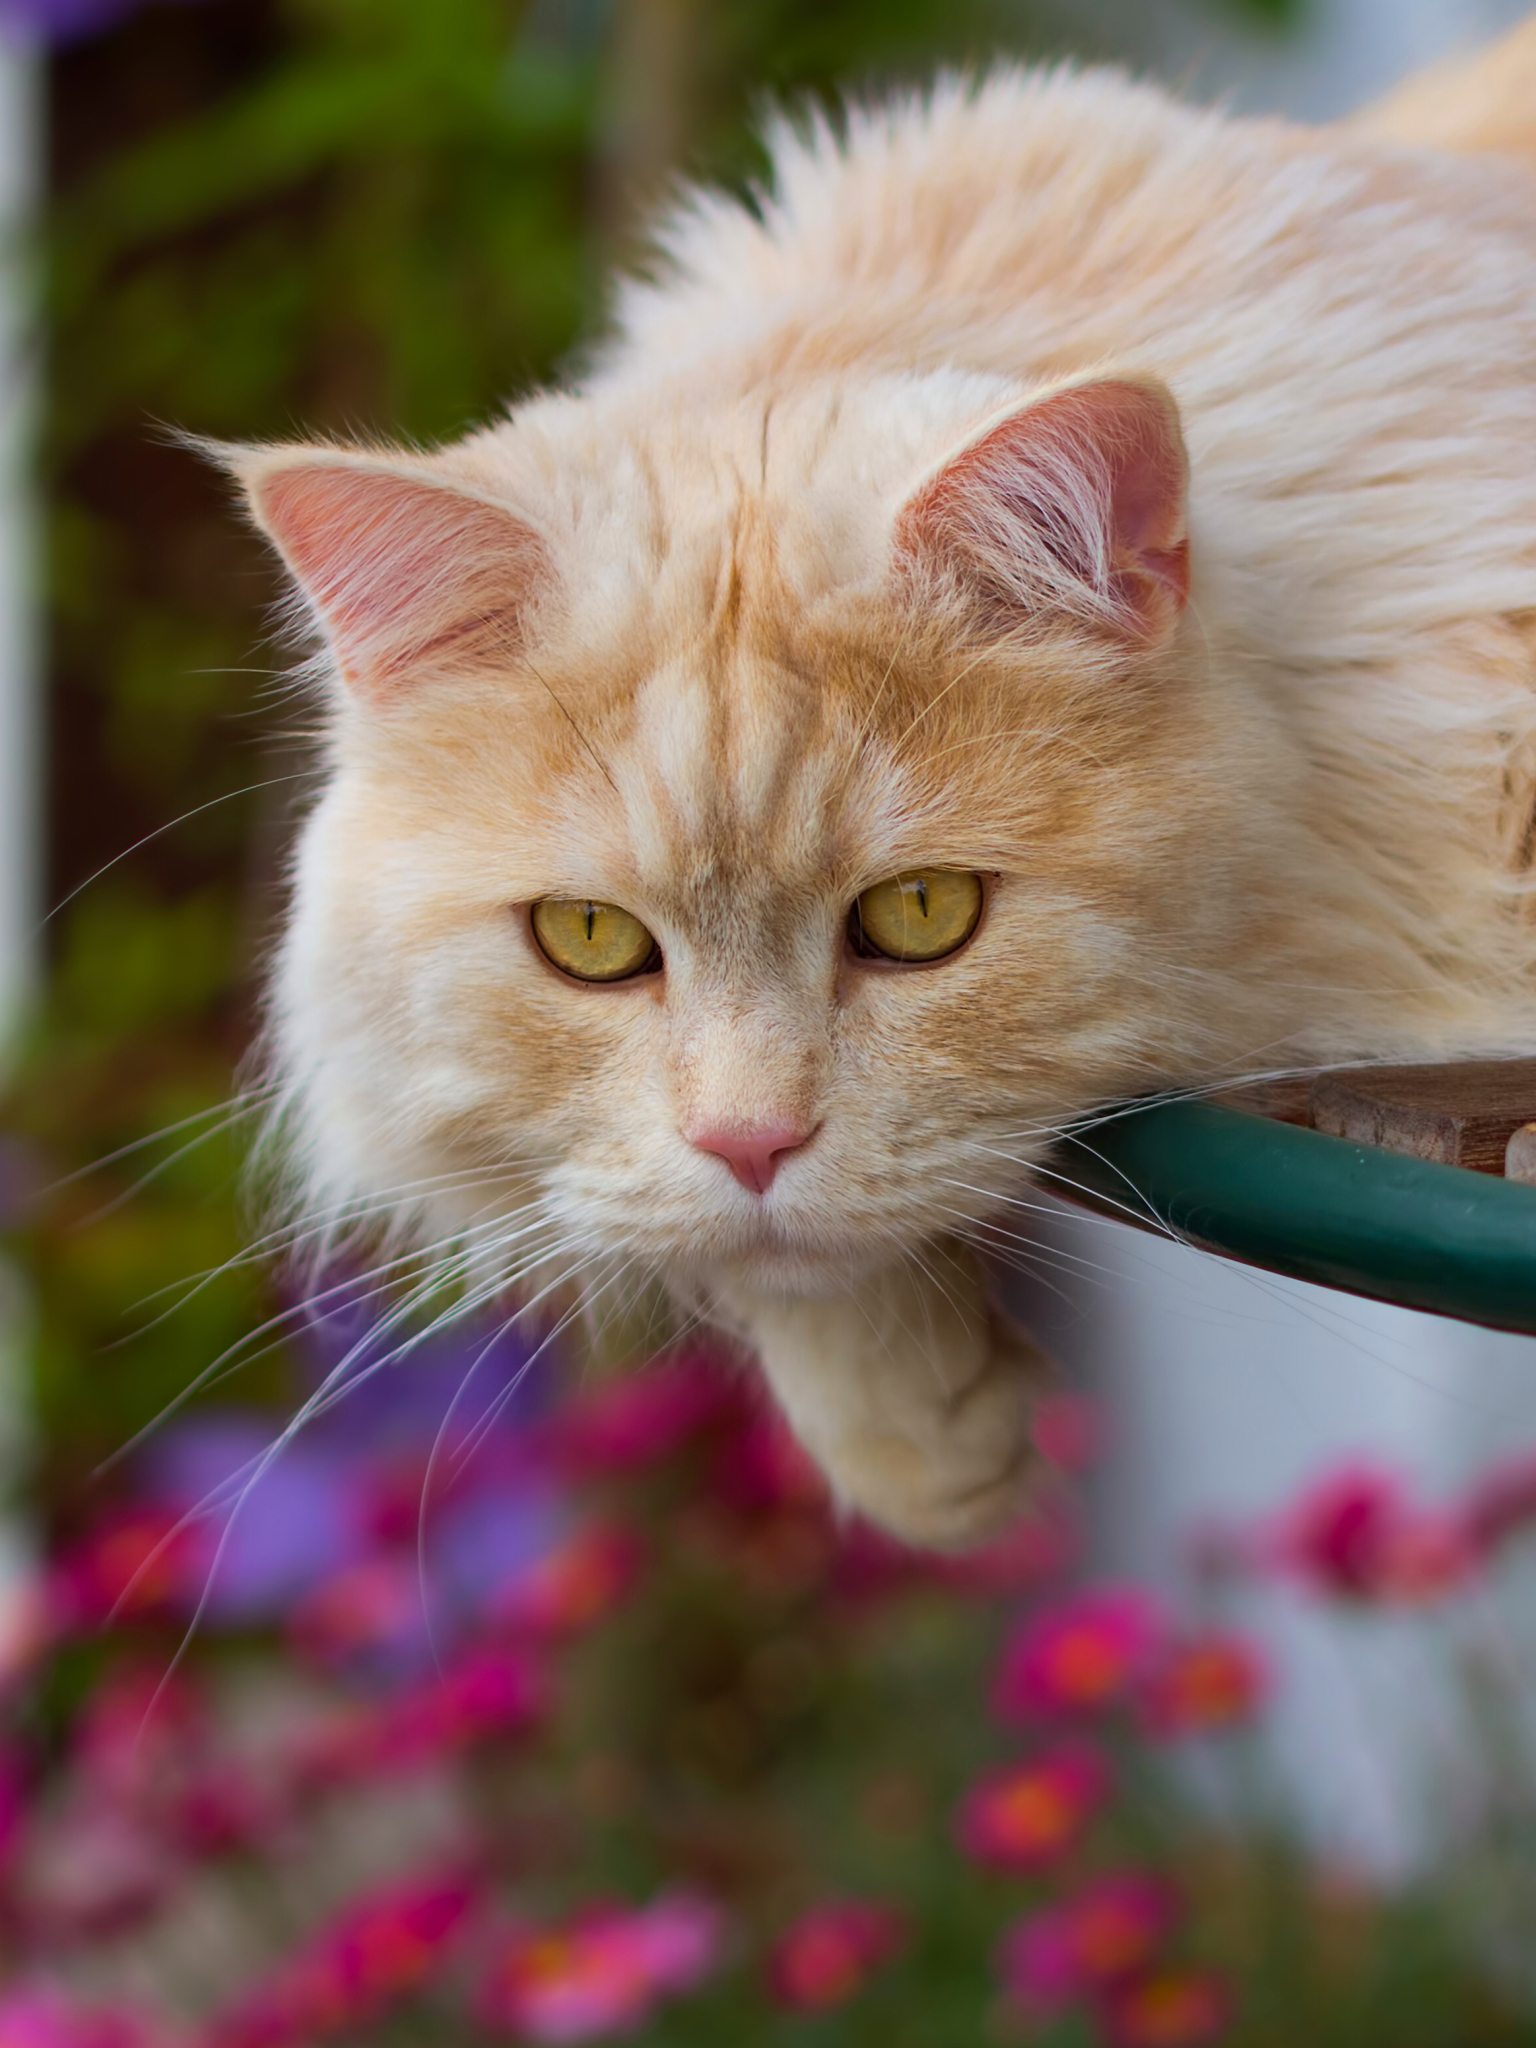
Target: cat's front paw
pixel 954 1475
pixel 914 1394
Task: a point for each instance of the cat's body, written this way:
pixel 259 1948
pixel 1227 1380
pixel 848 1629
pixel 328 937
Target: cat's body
pixel 865 550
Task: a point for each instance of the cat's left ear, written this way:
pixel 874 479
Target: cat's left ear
pixel 407 574
pixel 1072 503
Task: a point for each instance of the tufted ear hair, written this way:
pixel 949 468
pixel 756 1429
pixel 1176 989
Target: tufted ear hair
pixel 1073 503
pixel 407 574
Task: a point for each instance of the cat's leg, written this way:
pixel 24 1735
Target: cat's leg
pixel 913 1393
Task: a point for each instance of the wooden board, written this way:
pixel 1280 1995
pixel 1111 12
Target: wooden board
pixel 1462 1115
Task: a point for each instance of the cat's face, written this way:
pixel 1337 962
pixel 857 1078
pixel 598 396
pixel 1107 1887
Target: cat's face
pixel 725 685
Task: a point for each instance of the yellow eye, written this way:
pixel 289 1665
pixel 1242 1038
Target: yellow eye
pixel 921 915
pixel 593 941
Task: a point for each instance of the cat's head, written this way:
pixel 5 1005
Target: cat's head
pixel 655 686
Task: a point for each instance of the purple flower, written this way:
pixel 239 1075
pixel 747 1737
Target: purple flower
pixel 63 21
pixel 274 1533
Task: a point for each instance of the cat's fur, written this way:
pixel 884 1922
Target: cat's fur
pixel 866 546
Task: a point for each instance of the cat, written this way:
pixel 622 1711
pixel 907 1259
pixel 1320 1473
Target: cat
pixel 1039 608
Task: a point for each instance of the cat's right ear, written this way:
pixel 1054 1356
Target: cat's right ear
pixel 407 575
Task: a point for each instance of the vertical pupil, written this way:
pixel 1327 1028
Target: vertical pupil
pixel 922 895
pixel 590 913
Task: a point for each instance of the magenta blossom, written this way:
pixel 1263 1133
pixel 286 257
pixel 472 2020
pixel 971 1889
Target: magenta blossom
pixel 630 1423
pixel 1079 1656
pixel 1028 1815
pixel 47 2019
pixel 1101 1935
pixel 1203 1684
pixel 1357 1536
pixel 1168 2007
pixel 602 1973
pixel 382 1949
pixel 831 1952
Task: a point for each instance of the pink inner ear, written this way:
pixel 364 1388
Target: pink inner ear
pixel 1075 503
pixel 401 572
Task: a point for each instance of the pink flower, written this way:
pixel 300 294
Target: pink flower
pixel 1168 2008
pixel 1078 1657
pixel 634 1422
pixel 1105 1932
pixel 1205 1683
pixel 46 2019
pixel 93 1869
pixel 602 1973
pixel 13 1800
pixel 379 1951
pixel 762 1470
pixel 1067 1430
pixel 27 1628
pixel 1040 1546
pixel 576 1585
pixel 1500 1504
pixel 831 1952
pixel 1027 1815
pixel 132 1563
pixel 366 1613
pixel 489 1695
pixel 1355 1535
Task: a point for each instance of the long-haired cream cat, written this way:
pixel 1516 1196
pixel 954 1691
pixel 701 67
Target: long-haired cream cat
pixel 1045 612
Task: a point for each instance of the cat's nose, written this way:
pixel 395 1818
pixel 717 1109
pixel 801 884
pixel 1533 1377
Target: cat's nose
pixel 753 1152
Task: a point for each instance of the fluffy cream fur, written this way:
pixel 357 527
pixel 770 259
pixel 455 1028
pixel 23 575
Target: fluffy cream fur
pixel 866 545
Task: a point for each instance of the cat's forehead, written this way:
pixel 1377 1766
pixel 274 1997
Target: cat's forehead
pixel 651 482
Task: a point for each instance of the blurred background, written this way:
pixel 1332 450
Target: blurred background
pixel 604 1726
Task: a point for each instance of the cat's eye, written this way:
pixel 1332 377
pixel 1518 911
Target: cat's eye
pixel 592 941
pixel 920 915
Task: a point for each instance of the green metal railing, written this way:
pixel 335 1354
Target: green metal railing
pixel 1276 1195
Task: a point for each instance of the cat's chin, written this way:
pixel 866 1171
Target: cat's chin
pixel 774 1270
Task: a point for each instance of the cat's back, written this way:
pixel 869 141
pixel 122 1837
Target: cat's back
pixel 1047 219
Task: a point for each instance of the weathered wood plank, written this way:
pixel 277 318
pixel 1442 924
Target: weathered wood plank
pixel 1460 1115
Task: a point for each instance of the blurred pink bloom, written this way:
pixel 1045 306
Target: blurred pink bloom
pixel 360 1615
pixel 1168 2008
pixel 137 1732
pixel 1079 1656
pixel 1501 1503
pixel 1356 1536
pixel 1027 1815
pixel 575 1585
pixel 831 1952
pixel 131 1563
pixel 634 1422
pixel 47 2019
pixel 680 1935
pixel 382 1949
pixel 1039 1547
pixel 1067 1431
pixel 1205 1683
pixel 13 1799
pixel 105 1854
pixel 92 1870
pixel 761 1469
pixel 1105 1932
pixel 603 1972
pixel 27 1628
pixel 488 1695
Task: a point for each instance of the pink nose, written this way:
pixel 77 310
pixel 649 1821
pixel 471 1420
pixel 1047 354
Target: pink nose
pixel 753 1152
